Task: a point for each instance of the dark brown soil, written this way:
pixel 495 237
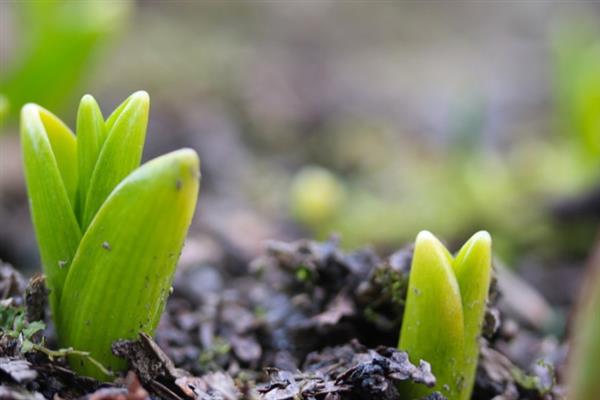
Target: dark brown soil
pixel 304 321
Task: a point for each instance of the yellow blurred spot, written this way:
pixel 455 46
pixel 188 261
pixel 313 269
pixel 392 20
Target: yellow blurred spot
pixel 316 195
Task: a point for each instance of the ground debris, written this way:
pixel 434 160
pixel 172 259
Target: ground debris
pixel 146 358
pixel 33 375
pixel 55 378
pixel 159 375
pixel 132 391
pixel 285 385
pixel 499 377
pixel 15 393
pixel 348 372
pixel 331 296
pixel 19 370
pixel 299 297
pixel 36 298
pixel 12 284
pixel 213 386
pixel 154 368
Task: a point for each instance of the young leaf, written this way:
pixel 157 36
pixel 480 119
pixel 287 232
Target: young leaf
pixel 91 134
pixel 49 185
pixel 433 324
pixel 128 253
pixel 64 147
pixel 473 269
pixel 116 114
pixel 121 152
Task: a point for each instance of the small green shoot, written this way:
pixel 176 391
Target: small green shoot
pixel 14 324
pixel 109 231
pixel 444 311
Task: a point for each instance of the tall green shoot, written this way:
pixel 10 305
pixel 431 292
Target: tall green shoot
pixel 109 231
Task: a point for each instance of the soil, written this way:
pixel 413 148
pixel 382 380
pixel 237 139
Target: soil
pixel 305 320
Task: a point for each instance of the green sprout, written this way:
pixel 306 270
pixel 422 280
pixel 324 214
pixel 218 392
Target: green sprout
pixel 444 311
pixel 583 370
pixel 14 324
pixel 109 231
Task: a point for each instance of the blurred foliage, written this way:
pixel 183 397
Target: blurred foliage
pixel 483 189
pixel 577 87
pixel 471 185
pixel 56 44
pixel 316 195
pixel 401 146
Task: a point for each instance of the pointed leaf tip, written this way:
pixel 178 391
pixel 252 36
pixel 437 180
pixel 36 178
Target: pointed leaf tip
pixel 482 237
pixel 121 152
pixel 87 98
pixel 187 157
pixel 139 101
pixel 141 95
pixel 191 158
pixel 28 109
pixel 91 133
pixel 426 236
pixel 478 245
pixel 427 240
pixel 140 98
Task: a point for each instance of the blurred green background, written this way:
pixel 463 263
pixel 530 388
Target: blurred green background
pixel 372 120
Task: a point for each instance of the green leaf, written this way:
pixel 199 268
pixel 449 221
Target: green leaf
pixel 433 324
pixel 27 346
pixel 64 147
pixel 7 317
pixel 19 324
pixel 121 274
pixel 51 192
pixel 32 328
pixel 121 152
pixel 91 134
pixel 116 114
pixel 472 267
